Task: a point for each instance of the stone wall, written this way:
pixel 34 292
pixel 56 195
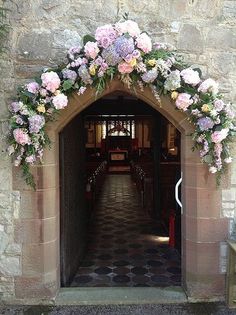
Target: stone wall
pixel 42 30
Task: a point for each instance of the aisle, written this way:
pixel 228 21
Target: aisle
pixel 126 248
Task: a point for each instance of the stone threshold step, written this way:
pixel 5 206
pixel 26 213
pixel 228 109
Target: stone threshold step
pixel 119 296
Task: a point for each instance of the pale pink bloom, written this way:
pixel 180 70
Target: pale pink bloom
pixel 190 76
pixel 144 43
pixel 21 136
pixel 33 87
pixel 129 27
pixel 183 101
pixel 212 169
pixel 43 92
pixel 51 81
pixel 209 85
pixel 218 105
pixel 228 160
pixel 60 101
pixel 125 67
pixel 81 90
pixel 218 136
pixel 30 159
pixel 91 50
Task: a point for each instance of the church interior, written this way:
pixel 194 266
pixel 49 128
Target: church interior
pixel 130 233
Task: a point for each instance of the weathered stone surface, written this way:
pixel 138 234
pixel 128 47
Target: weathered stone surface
pixel 190 39
pixel 4 239
pixel 35 45
pixel 10 266
pixel 221 38
pixel 229 10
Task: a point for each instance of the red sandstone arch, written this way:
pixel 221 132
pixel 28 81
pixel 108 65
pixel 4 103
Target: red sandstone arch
pixel 202 226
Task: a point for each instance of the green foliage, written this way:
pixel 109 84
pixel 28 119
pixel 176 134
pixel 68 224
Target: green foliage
pixel 88 38
pixel 29 178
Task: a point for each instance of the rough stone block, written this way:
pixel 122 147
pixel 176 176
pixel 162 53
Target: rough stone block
pixel 35 45
pixel 10 266
pixel 190 39
pixel 4 240
pixel 221 38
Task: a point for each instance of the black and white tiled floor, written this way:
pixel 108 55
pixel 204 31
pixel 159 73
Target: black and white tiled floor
pixel 126 247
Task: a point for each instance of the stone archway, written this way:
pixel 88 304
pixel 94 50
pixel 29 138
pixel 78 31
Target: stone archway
pixel 202 226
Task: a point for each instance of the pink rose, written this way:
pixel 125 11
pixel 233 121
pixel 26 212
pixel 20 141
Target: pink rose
pixel 60 101
pixel 51 81
pixel 21 136
pixel 144 43
pixel 91 50
pixel 125 67
pixel 32 87
pixel 218 136
pixel 183 101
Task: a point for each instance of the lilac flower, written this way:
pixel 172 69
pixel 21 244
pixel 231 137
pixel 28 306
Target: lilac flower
pixel 15 107
pixel 205 123
pixel 19 120
pixel 32 87
pixel 111 56
pixel 124 46
pixel 69 74
pixel 229 111
pixel 84 75
pixel 36 122
pixel 150 75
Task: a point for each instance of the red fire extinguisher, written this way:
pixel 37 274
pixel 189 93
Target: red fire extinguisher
pixel 172 229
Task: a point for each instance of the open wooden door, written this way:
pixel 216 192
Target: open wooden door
pixel 74 215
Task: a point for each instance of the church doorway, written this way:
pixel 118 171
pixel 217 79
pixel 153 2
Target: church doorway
pixel 120 224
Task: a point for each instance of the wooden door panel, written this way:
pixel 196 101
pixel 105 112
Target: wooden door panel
pixel 74 215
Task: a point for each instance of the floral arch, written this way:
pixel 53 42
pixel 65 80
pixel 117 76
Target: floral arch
pixel 121 51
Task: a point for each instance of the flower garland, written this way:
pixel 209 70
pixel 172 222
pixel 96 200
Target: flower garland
pixel 121 50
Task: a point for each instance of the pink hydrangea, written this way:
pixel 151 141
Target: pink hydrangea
pixel 60 101
pixel 209 85
pixel 21 136
pixel 129 27
pixel 91 50
pixel 183 101
pixel 190 76
pixel 51 81
pixel 144 42
pixel 218 136
pixel 33 87
pixel 105 35
pixel 125 67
